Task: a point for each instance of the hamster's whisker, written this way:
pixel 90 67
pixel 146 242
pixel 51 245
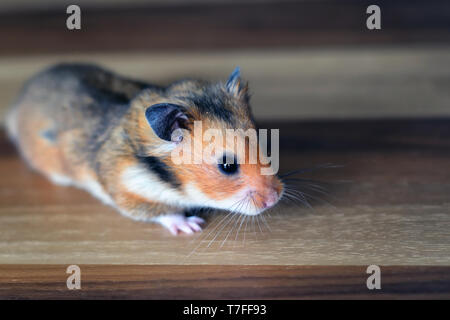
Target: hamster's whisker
pixel 231 216
pixel 206 236
pixel 258 217
pixel 245 228
pixel 266 223
pixel 254 227
pixel 287 199
pixel 316 186
pixel 237 232
pixel 234 219
pixel 259 225
pixel 228 215
pixel 309 184
pixel 247 218
pixel 217 217
pixel 223 224
pixel 331 182
pixel 313 187
pixel 303 196
pixel 310 180
pixel 241 219
pixel 318 199
pixel 290 194
pixel 320 166
pixel 234 225
pixel 298 201
pixel 261 217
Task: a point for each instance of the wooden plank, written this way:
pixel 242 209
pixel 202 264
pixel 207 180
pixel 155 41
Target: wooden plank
pixel 393 209
pixel 303 84
pixel 30 5
pixel 222 282
pixel 221 25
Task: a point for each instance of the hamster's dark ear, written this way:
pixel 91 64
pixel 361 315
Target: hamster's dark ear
pixel 164 118
pixel 235 86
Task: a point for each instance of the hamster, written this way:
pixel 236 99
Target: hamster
pixel 81 125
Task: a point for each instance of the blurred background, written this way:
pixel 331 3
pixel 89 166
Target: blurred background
pixel 304 59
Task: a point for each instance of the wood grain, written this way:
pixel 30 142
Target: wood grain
pixel 345 83
pixel 221 25
pixel 390 206
pixel 222 282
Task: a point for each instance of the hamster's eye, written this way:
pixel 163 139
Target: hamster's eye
pixel 228 168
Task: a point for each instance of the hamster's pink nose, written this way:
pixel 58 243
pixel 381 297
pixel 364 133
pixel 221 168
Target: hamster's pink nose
pixel 271 199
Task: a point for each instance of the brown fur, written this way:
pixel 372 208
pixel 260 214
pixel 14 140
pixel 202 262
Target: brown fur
pixel 99 127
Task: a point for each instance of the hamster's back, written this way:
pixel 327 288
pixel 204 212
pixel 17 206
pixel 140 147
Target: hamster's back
pixel 66 109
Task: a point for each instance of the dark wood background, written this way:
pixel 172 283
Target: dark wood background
pixel 221 25
pixel 222 282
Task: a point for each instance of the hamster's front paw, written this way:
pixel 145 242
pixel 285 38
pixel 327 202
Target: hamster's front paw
pixel 176 223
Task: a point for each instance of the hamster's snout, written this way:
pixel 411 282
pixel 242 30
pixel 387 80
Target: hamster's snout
pixel 266 194
pixel 264 199
pixel 271 199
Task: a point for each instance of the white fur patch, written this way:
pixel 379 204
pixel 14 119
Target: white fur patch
pixel 165 148
pixel 238 202
pixel 91 186
pixel 11 123
pixel 61 180
pixel 97 191
pixel 139 180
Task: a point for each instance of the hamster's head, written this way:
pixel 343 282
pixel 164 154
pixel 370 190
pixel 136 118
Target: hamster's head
pixel 205 135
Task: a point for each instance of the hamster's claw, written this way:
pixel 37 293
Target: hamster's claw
pixel 177 223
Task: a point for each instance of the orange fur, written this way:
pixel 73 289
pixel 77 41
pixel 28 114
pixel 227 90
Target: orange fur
pixel 96 144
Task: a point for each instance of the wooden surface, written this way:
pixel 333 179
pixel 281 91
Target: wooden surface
pixel 197 25
pixel 305 60
pixel 391 206
pixel 222 282
pixel 345 83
